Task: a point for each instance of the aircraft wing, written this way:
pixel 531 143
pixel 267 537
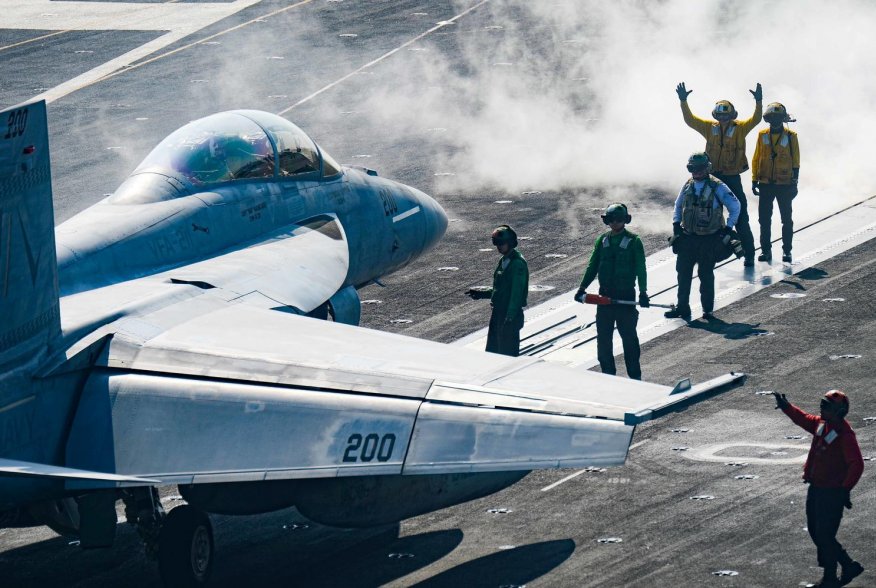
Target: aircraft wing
pixel 243 393
pixel 301 265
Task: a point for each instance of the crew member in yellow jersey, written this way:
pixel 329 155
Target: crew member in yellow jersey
pixel 725 145
pixel 774 174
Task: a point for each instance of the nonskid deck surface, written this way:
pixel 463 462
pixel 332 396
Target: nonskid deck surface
pixel 564 331
pixel 554 528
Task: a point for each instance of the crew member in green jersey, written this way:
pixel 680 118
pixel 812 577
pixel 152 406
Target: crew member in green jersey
pixel 507 296
pixel 618 259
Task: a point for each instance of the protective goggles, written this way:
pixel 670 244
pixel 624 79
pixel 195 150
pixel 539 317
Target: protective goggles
pixel 697 168
pixel 828 405
pixel 614 218
pixel 500 240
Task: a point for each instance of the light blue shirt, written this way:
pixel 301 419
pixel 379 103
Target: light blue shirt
pixel 723 195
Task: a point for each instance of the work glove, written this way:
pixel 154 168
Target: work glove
pixel 848 499
pixel 781 400
pixel 725 232
pixel 476 294
pixel 676 229
pixel 755 188
pixel 757 93
pixel 580 294
pixel 684 92
pixel 644 300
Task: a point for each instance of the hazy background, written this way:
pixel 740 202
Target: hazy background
pixel 593 103
pixel 572 98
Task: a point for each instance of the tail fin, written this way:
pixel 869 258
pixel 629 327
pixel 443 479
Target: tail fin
pixel 29 313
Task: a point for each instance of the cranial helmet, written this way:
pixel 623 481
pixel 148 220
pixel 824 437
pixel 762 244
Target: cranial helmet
pixel 839 401
pixel 776 111
pixel 699 161
pixel 724 110
pixel 504 234
pixel 616 212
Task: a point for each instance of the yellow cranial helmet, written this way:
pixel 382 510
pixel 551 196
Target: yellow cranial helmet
pixel 776 111
pixel 724 110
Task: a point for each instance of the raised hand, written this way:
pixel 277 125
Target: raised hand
pixel 757 92
pixel 683 92
pixel 781 400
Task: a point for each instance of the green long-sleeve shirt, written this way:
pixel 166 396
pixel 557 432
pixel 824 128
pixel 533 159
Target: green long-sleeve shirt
pixel 510 285
pixel 618 260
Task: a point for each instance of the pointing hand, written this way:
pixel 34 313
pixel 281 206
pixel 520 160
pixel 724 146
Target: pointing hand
pixel 757 92
pixel 683 92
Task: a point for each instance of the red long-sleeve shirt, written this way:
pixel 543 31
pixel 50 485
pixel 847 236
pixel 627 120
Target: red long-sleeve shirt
pixel 834 459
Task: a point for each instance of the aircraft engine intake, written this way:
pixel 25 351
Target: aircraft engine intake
pixel 345 306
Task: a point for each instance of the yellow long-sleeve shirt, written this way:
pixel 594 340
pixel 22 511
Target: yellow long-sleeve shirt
pixel 726 150
pixel 776 156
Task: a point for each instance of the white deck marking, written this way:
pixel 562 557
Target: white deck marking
pixel 327 87
pixel 708 453
pixel 406 214
pixel 579 472
pixel 180 20
pixel 813 243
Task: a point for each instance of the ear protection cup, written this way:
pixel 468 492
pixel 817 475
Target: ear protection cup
pixel 613 211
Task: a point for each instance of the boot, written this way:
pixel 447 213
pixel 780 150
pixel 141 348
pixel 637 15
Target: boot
pixel 765 256
pixel 786 258
pixel 829 579
pixel 678 312
pixel 850 572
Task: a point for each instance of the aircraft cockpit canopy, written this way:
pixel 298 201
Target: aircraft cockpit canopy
pixel 226 147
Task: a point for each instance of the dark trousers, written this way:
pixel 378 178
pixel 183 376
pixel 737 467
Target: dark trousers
pixel 696 250
pixel 824 511
pixel 743 226
pixel 783 195
pixel 502 337
pixel 625 317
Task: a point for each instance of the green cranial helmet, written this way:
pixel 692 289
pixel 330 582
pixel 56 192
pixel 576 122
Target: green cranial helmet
pixel 698 162
pixel 504 234
pixel 616 212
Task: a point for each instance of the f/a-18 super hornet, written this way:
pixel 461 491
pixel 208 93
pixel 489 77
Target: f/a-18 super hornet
pixel 169 335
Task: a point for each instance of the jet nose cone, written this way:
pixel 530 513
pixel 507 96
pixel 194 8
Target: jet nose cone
pixel 435 220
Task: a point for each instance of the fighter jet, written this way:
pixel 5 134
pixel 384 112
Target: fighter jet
pixel 170 335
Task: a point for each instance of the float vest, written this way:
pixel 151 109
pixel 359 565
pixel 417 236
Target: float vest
pixel 776 158
pixel 699 215
pixel 617 265
pixel 724 149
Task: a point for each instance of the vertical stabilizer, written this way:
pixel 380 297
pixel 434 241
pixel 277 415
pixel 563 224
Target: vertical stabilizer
pixel 29 314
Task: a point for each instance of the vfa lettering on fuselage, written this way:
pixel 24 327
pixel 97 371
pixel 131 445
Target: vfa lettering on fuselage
pixel 172 242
